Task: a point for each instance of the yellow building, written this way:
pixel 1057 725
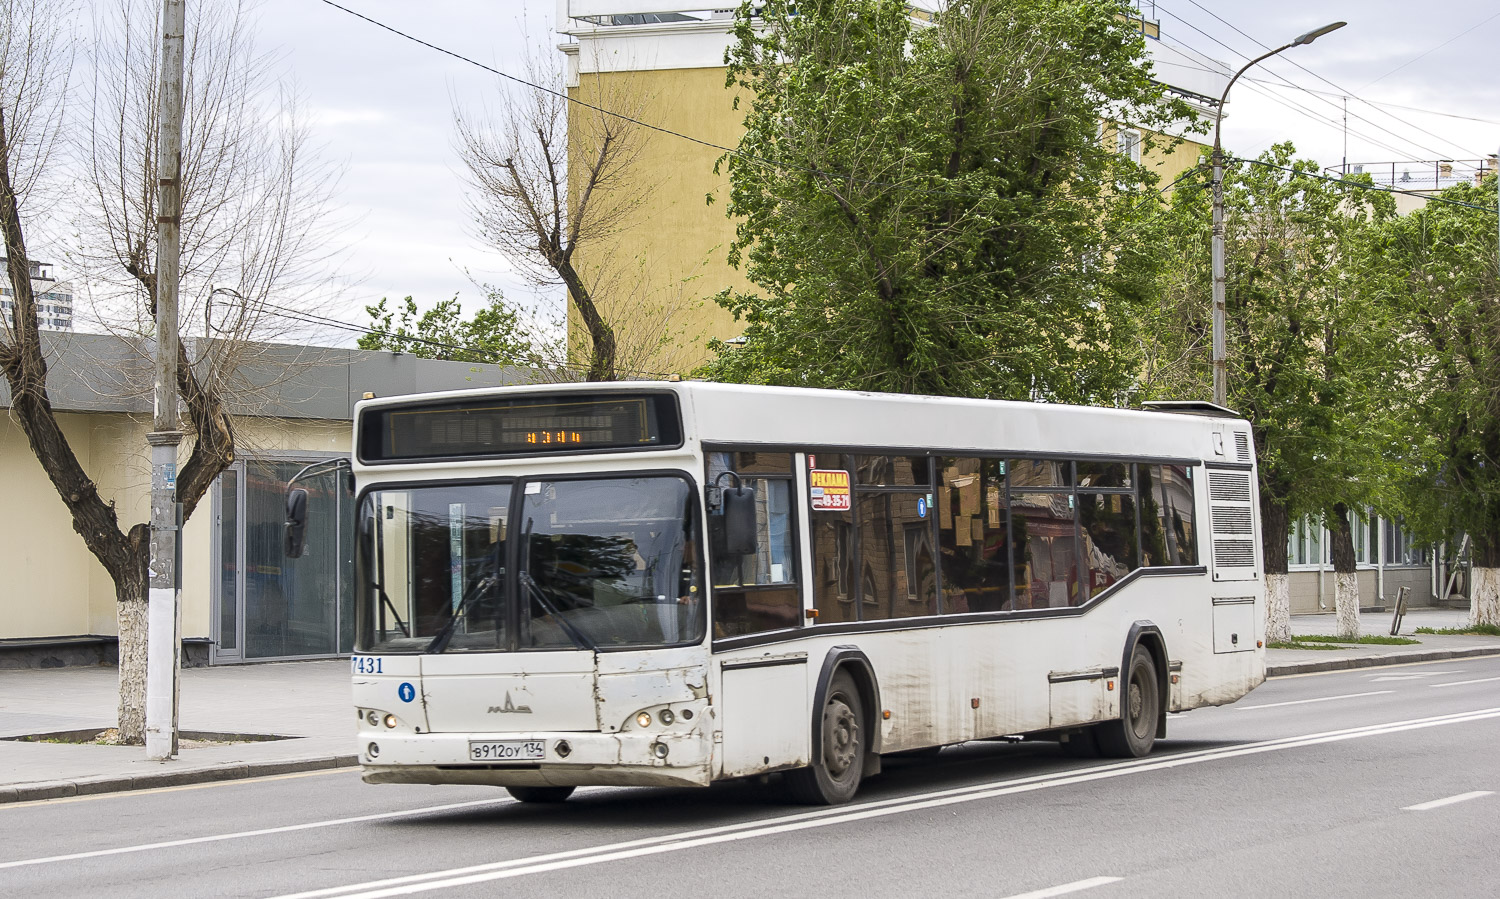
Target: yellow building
pixel 673 254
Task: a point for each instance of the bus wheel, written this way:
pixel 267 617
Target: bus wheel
pixel 540 794
pixel 1133 735
pixel 834 776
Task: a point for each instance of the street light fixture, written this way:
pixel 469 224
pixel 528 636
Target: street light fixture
pixel 1221 370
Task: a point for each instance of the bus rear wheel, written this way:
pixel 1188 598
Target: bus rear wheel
pixel 540 794
pixel 834 775
pixel 1134 733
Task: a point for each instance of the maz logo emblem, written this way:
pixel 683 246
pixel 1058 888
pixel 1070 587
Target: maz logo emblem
pixel 510 707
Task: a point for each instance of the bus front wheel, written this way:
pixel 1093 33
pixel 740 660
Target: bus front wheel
pixel 1134 733
pixel 835 772
pixel 540 794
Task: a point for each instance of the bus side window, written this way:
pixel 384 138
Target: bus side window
pixel 1168 535
pixel 757 591
pixel 1107 524
pixel 1044 517
pixel 1176 500
pixel 898 568
pixel 973 535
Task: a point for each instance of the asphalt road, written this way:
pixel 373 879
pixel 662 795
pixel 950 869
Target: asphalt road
pixel 1377 782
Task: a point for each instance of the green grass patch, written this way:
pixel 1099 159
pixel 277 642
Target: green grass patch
pixel 1481 630
pixel 1368 639
pixel 1300 646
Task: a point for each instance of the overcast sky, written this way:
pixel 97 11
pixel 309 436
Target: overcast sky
pixel 382 106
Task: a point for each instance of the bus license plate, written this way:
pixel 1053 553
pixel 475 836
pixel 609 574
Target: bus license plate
pixel 506 750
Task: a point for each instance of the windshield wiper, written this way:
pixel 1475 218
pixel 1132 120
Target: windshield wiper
pixel 440 642
pixel 579 639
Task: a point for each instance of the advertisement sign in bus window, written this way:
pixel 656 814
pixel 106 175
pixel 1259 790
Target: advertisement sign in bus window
pixel 830 490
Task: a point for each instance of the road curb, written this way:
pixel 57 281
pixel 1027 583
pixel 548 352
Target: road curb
pixel 88 786
pixel 1313 666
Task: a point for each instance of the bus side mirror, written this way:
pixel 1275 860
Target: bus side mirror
pixel 737 514
pixel 296 522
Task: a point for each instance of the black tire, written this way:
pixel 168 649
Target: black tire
pixel 1134 733
pixel 834 776
pixel 540 794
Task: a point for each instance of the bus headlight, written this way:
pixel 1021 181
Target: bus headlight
pixel 666 716
pixel 373 717
pixel 643 719
pixel 660 750
pixel 390 720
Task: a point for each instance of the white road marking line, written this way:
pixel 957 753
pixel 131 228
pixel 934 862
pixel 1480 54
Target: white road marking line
pixel 289 828
pixel 1439 803
pixel 1066 888
pixel 1273 705
pixel 575 858
pixel 1459 683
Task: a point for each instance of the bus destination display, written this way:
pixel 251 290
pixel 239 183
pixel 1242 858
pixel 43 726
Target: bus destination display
pixel 520 426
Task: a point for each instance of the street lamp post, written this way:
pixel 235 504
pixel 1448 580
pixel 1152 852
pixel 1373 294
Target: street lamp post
pixel 1221 368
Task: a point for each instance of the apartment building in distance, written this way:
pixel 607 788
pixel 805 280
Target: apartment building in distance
pixel 54 298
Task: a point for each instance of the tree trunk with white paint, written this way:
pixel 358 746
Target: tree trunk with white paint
pixel 132 620
pixel 1274 524
pixel 1278 608
pixel 1346 603
pixel 1484 601
pixel 1345 580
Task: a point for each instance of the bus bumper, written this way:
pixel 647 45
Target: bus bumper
pixel 592 759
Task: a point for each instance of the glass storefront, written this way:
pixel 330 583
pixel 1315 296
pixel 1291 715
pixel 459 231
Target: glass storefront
pixel 267 606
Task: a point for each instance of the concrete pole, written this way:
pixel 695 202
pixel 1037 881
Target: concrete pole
pixel 1221 366
pixel 163 616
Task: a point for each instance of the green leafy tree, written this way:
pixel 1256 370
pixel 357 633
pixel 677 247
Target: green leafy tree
pixel 1438 266
pixel 932 207
pixel 1314 357
pixel 496 334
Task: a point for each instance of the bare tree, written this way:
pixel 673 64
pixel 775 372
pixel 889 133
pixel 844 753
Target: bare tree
pixel 254 206
pixel 552 179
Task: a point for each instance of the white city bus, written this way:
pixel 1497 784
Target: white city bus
pixel 678 583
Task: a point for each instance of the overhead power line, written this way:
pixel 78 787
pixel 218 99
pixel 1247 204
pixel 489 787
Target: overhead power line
pixel 1428 151
pixel 1343 91
pixel 731 151
pixel 1427 53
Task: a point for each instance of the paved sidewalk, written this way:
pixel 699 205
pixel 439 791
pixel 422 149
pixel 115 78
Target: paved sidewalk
pixel 1431 648
pixel 310 704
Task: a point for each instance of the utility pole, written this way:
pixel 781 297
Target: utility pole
pixel 163 618
pixel 1221 365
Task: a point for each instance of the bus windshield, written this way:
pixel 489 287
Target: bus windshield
pixel 598 563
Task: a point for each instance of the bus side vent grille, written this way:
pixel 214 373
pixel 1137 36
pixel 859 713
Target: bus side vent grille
pixel 1242 446
pixel 1229 487
pixel 1234 553
pixel 1233 521
pixel 1229 520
